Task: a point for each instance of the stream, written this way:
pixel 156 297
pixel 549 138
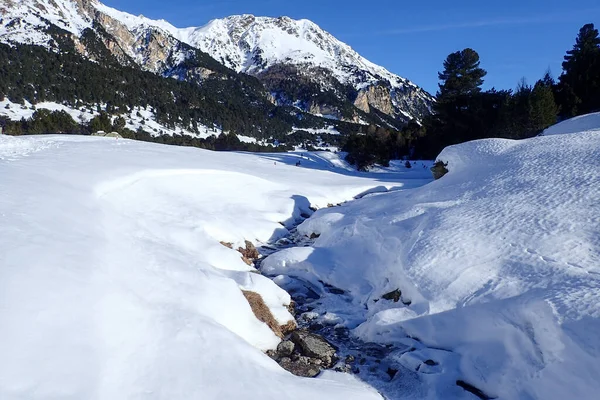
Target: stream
pixel 373 363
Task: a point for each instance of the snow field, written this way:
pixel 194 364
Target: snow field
pixel 113 283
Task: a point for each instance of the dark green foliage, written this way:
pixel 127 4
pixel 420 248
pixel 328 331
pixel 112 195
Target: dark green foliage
pixel 234 102
pixel 462 76
pixel 463 112
pixel 580 81
pixel 379 145
pixel 43 122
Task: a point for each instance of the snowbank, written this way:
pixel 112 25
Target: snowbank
pixel 578 124
pixel 498 264
pixel 113 284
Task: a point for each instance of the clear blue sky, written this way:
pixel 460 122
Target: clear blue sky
pixel 514 38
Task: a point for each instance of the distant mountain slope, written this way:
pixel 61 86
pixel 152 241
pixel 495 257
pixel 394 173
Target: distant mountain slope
pixel 300 64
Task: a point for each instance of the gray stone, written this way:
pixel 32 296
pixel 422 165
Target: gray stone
pixel 314 346
pixel 300 367
pixel 285 348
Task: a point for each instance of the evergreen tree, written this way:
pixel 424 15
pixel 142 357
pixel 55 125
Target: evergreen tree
pixel 543 106
pixel 461 77
pixel 459 95
pixel 581 72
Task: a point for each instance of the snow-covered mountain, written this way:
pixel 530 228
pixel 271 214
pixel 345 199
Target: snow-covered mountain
pixel 299 63
pixel 254 45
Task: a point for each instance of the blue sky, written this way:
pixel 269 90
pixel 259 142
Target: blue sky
pixel 514 38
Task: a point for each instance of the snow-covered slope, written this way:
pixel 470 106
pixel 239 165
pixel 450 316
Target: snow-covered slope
pixel 498 264
pixel 113 284
pixel 578 124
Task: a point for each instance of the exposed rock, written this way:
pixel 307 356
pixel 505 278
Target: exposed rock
pixel 431 363
pixel 394 295
pixel 376 96
pixel 392 372
pixel 472 389
pixel 314 236
pixel 227 244
pixel 300 367
pixel 285 348
pixel 314 346
pixel 439 169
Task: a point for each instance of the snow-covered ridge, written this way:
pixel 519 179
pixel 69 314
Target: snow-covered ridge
pixel 587 122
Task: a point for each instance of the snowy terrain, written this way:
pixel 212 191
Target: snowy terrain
pixel 113 283
pixel 578 124
pixel 498 265
pixel 138 117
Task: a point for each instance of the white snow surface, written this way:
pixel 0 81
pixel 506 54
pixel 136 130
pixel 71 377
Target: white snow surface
pixel 498 261
pixel 578 124
pixel 113 283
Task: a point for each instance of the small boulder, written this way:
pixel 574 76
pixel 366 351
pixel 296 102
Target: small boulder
pixel 300 367
pixel 394 295
pixel 314 346
pixel 285 348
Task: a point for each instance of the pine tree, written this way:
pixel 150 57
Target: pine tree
pixel 543 106
pixel 581 71
pixel 462 75
pixel 458 97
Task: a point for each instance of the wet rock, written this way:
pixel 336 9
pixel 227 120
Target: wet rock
pixel 310 316
pixel 472 389
pixel 285 348
pixel 431 363
pixel 314 346
pixel 394 295
pixel 346 368
pixel 392 372
pixel 314 236
pixel 350 359
pixel 300 367
pixel 305 215
pixel 315 327
pixel 273 354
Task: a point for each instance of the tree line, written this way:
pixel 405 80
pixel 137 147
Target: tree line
pixel 463 111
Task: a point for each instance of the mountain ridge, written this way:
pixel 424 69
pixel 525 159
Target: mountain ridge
pixel 300 65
